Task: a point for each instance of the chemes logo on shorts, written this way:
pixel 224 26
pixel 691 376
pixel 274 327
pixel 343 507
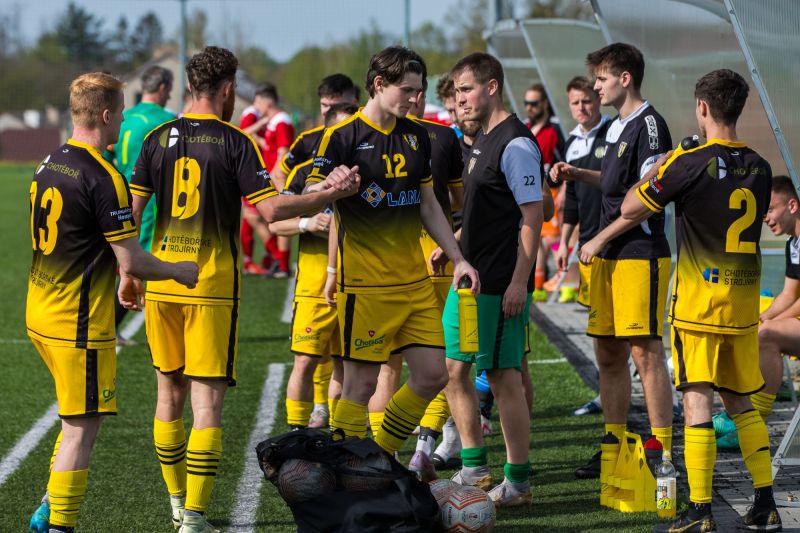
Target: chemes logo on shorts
pixel 372 342
pixel 373 194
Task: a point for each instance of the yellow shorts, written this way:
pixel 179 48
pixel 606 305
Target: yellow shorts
pixel 315 329
pixel 585 273
pixel 201 341
pixel 628 297
pixel 441 286
pixel 373 326
pixel 86 380
pixel 725 362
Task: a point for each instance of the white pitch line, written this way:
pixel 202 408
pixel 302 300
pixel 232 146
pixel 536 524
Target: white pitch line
pixel 248 493
pixel 30 440
pixel 27 442
pixel 286 317
pixel 14 341
pixel 547 361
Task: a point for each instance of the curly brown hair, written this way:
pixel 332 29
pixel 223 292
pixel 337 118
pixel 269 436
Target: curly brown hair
pixel 208 69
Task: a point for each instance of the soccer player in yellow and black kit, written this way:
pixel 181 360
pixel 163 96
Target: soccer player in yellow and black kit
pixel 199 167
pixel 386 302
pixel 628 288
pixel 81 225
pixel 315 325
pixel 721 191
pixel 336 89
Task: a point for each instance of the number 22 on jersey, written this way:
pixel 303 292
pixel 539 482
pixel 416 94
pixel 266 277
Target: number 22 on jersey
pixel 52 203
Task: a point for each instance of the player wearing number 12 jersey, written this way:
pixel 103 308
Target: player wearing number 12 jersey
pixel 199 167
pixel 721 191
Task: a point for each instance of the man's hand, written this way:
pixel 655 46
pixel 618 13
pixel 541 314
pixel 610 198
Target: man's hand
pixel 186 273
pixel 130 293
pixel 330 289
pixel 562 257
pixel 343 178
pixel 591 249
pixel 461 269
pixel 319 223
pixel 437 261
pixel 562 171
pixel 514 300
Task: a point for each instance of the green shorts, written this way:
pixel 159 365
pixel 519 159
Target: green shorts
pixel 502 343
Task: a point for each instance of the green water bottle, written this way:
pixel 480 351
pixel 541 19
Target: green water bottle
pixel 467 317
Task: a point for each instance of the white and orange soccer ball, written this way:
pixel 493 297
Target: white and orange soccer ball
pixel 373 472
pixel 300 480
pixel 467 510
pixel 441 489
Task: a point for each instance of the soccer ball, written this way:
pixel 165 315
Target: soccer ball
pixel 373 472
pixel 441 489
pixel 468 510
pixel 300 480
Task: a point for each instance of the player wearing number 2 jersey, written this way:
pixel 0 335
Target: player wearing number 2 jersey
pixel 199 167
pixel 721 191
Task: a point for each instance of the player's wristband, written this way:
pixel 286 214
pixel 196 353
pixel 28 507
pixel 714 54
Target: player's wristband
pixel 330 270
pixel 303 224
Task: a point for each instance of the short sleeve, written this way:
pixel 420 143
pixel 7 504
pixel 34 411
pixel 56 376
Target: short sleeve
pixel 654 141
pixel 427 172
pixel 297 154
pixel 141 177
pixel 251 173
pixel 248 119
pixel 111 199
pixel 296 181
pixel 329 155
pixel 521 163
pixel 792 260
pixel 672 180
pixel 284 134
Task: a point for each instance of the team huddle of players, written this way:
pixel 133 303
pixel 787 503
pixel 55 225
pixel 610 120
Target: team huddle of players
pixel 372 193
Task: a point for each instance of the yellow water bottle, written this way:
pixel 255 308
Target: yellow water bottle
pixel 467 317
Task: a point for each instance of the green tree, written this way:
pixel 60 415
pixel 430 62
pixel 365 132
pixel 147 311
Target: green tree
pixel 257 64
pixel 569 9
pixel 196 28
pixel 146 36
pixel 80 34
pixel 468 20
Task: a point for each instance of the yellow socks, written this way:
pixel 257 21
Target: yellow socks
pixel 375 421
pixel 754 443
pixel 332 403
pixel 170 441
pixel 67 491
pixel 618 430
pixel 404 411
pixel 436 414
pixel 297 412
pixel 202 460
pixel 664 436
pixel 700 454
pixel 322 378
pixel 350 417
pixel 763 403
pixel 56 446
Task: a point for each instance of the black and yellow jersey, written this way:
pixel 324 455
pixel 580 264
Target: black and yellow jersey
pixel 793 258
pixel 447 165
pixel 79 203
pixel 721 192
pixel 312 251
pixel 378 228
pixel 633 145
pixel 199 167
pixel 302 149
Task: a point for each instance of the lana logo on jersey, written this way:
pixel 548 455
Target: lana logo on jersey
pixel 411 139
pixel 374 195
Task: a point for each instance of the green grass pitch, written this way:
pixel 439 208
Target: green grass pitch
pixel 125 489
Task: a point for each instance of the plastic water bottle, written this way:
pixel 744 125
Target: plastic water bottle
pixel 666 488
pixel 467 317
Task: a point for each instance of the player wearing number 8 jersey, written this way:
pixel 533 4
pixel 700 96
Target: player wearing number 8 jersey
pixel 721 191
pixel 199 167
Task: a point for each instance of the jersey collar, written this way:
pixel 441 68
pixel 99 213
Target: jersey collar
pixel 201 116
pixel 374 126
pixel 729 144
pixel 83 145
pixel 578 132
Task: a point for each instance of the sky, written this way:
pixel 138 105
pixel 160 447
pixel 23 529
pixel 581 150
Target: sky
pixel 281 27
